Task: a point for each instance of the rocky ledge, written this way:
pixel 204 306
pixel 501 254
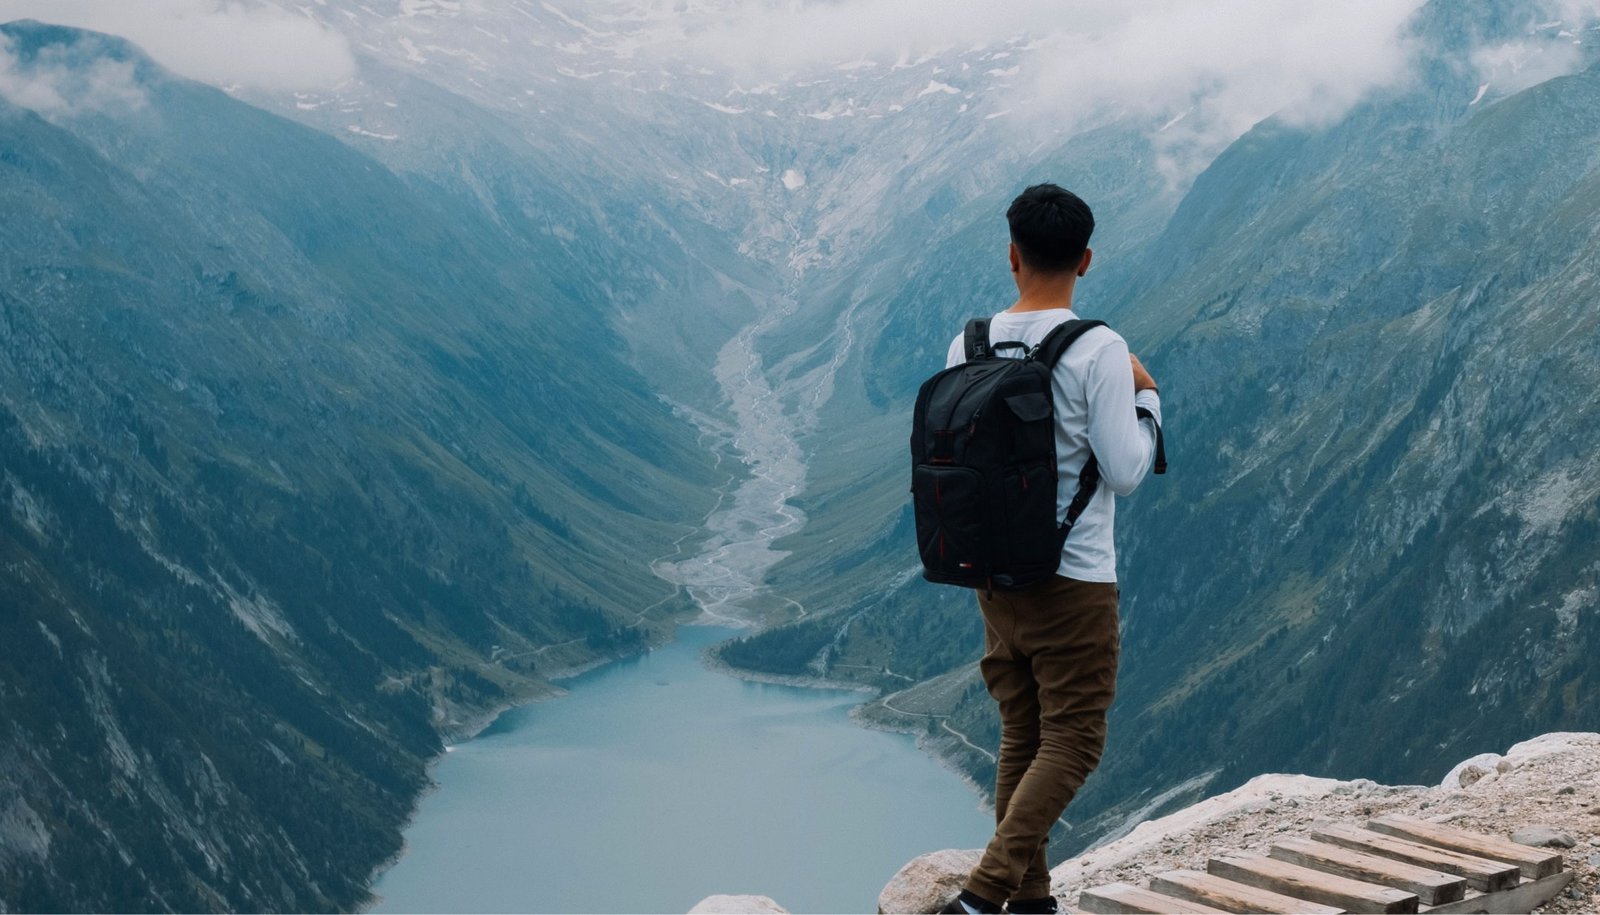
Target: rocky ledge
pixel 1544 792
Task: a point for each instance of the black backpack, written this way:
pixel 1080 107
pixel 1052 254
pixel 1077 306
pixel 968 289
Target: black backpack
pixel 983 476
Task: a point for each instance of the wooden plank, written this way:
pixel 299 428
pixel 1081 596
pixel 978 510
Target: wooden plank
pixel 1432 887
pixel 1525 898
pixel 1536 863
pixel 1318 886
pixel 1483 875
pixel 1120 898
pixel 1234 897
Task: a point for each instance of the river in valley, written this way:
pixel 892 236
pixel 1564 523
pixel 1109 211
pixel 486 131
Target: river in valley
pixel 658 781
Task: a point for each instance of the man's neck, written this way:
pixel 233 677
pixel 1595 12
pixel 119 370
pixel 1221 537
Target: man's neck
pixel 1041 303
pixel 1036 292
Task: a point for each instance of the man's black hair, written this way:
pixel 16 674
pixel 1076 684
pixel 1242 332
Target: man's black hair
pixel 1050 226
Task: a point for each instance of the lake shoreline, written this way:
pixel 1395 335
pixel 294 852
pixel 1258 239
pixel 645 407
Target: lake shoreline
pixel 861 716
pixel 778 753
pixel 475 724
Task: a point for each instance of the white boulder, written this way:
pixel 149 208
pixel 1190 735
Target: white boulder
pixel 927 883
pixel 737 905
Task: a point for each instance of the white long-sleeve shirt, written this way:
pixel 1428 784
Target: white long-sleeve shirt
pixel 1094 405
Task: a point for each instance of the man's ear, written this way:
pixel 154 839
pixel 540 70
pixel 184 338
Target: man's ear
pixel 1083 266
pixel 1016 258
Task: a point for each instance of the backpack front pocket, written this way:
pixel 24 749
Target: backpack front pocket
pixel 952 511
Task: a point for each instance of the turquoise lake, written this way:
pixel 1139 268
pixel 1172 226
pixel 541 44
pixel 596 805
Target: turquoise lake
pixel 657 782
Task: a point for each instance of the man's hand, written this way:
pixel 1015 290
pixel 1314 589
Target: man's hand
pixel 1141 378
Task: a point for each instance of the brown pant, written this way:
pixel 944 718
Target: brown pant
pixel 1051 664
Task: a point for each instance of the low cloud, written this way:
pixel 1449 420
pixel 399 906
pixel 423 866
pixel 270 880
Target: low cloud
pixel 1208 71
pixel 223 42
pixel 1557 32
pixel 61 82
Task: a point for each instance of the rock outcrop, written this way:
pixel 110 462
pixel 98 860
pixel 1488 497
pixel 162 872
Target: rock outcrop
pixel 738 905
pixel 927 882
pixel 1545 789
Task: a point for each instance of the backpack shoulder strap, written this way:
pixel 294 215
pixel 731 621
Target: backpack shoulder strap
pixel 1060 337
pixel 1049 352
pixel 1159 465
pixel 977 338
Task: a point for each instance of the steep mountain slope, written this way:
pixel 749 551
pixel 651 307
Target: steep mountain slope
pixel 304 464
pixel 1389 495
pixel 1376 551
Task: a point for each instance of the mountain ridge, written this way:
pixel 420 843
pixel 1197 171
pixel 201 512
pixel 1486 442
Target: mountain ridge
pixel 268 502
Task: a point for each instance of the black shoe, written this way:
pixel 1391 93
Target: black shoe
pixel 1045 905
pixel 969 903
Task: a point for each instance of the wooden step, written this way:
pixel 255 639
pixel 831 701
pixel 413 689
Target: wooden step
pixel 1120 898
pixel 1432 887
pixel 1536 863
pixel 1482 874
pixel 1530 895
pixel 1234 897
pixel 1318 886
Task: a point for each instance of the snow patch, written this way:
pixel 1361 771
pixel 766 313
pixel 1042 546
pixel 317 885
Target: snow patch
pixel 936 86
pixel 1556 495
pixel 725 109
pixel 412 54
pixel 794 179
pixel 367 133
pixel 1576 602
pixel 26 509
pixel 50 637
pixel 1482 90
pixel 22 831
pixel 1174 121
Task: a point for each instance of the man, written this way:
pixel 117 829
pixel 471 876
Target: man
pixel 1050 658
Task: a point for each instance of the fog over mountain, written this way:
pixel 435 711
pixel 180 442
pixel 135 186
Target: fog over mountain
pixel 364 365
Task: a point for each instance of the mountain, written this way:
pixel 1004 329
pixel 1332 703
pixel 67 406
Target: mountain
pixel 1375 553
pixel 306 464
pixel 333 420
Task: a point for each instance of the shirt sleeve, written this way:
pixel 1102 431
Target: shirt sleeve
pixel 1123 443
pixel 958 352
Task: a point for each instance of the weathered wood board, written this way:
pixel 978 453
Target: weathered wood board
pixel 1234 897
pixel 1432 887
pixel 1483 875
pixel 1317 886
pixel 1536 863
pixel 1125 899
